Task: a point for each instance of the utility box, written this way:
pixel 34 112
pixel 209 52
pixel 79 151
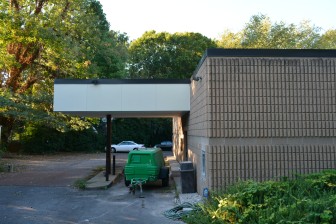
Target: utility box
pixel 188 182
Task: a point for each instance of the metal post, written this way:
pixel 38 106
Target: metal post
pixel 0 135
pixel 113 165
pixel 108 147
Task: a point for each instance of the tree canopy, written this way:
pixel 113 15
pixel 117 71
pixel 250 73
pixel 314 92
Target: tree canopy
pixel 165 55
pixel 41 40
pixel 260 32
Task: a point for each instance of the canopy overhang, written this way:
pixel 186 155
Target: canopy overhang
pixel 122 98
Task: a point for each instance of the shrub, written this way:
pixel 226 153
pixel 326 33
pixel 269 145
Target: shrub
pixel 305 199
pixel 42 140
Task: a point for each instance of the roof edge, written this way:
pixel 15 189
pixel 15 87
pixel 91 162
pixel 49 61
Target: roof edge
pixel 121 81
pixel 222 52
pixel 300 53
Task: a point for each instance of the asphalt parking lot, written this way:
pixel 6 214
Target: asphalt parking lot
pixel 40 190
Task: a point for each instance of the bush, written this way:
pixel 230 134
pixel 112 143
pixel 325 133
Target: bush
pixel 42 140
pixel 306 199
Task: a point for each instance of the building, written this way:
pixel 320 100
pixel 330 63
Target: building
pixel 259 114
pixel 245 113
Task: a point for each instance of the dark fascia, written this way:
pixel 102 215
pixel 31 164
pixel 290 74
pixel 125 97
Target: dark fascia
pixel 301 53
pixel 293 53
pixel 121 81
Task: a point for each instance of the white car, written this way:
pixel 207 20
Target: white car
pixel 126 146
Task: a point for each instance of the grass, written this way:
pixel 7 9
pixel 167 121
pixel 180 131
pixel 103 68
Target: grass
pixel 305 199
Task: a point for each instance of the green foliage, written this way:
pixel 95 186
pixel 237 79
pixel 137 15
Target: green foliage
pixel 39 139
pixel 43 40
pixel 80 184
pixel 165 55
pixel 327 40
pixel 111 56
pixel 25 107
pixel 145 131
pixel 51 38
pixel 259 32
pixel 306 199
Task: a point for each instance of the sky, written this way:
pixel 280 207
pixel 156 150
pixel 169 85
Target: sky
pixel 212 17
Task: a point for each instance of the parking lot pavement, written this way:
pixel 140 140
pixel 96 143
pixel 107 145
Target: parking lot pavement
pixel 53 170
pixel 39 191
pixel 27 204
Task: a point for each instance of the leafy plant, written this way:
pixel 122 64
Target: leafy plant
pixel 305 199
pixel 80 184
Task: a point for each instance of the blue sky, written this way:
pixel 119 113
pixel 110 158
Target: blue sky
pixel 212 17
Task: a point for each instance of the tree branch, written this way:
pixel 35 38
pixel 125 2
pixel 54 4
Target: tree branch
pixel 30 81
pixel 15 4
pixel 66 8
pixel 39 5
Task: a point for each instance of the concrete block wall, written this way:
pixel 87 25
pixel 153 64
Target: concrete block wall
pixel 229 164
pixel 199 105
pixel 262 117
pixel 272 97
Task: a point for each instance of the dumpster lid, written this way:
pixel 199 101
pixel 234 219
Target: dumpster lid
pixel 186 165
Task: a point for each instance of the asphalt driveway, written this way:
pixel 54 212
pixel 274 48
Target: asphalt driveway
pixel 52 170
pixel 40 191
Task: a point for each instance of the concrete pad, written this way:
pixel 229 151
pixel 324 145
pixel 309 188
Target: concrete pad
pixel 99 181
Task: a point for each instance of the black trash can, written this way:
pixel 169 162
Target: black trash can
pixel 188 182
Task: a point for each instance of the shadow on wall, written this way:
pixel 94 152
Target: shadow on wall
pixel 178 139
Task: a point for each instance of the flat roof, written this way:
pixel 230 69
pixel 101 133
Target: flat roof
pixel 222 52
pixel 266 53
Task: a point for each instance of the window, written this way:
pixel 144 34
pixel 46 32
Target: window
pixel 136 159
pixel 203 163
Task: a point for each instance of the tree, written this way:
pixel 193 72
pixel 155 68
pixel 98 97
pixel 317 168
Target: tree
pixel 111 56
pixel 36 35
pixel 327 40
pixel 230 40
pixel 41 40
pixel 259 32
pixel 165 55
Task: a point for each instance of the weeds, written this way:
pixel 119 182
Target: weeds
pixel 80 184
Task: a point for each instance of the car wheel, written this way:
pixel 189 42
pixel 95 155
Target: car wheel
pixel 164 175
pixel 165 181
pixel 114 150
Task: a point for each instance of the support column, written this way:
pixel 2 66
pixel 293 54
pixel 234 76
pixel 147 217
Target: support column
pixel 108 146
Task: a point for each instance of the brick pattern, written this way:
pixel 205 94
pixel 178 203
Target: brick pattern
pixel 269 97
pixel 262 118
pixel 228 164
pixel 199 111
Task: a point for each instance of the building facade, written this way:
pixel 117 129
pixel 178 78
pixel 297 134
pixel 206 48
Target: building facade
pixel 259 114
